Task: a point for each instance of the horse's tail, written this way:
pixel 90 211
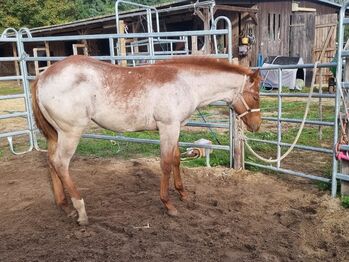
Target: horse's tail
pixel 45 127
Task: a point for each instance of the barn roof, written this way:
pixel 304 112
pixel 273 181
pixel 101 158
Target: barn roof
pixel 166 7
pixel 329 3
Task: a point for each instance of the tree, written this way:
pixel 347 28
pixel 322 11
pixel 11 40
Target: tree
pixel 35 13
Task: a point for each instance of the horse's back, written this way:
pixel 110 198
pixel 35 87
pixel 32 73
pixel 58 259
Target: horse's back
pixel 78 89
pixel 67 90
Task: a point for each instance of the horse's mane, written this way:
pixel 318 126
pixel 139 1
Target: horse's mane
pixel 209 63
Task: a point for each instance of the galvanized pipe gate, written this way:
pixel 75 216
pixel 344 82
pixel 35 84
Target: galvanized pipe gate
pixel 23 37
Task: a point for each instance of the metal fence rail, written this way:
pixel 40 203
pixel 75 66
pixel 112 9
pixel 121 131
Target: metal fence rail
pixel 23 38
pixel 279 120
pixel 24 58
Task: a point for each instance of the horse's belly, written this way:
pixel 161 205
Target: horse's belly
pixel 123 121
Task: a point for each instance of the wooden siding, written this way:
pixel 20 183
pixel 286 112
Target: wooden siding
pixel 325 42
pixel 271 44
pixel 321 8
pixel 302 32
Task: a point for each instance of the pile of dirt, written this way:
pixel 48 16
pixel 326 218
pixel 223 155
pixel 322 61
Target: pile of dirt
pixel 231 216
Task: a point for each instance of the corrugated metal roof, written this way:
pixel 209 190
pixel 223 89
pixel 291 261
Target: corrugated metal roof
pixel 330 3
pixel 106 18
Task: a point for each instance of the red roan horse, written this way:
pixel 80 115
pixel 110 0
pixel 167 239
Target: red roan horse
pixel 162 96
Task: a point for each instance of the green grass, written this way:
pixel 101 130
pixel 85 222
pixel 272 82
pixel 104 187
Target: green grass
pixel 106 148
pixel 295 109
pixel 345 201
pixel 10 88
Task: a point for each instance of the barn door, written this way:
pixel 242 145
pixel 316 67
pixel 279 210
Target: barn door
pixel 325 43
pixel 302 36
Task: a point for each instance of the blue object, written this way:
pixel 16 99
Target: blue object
pixel 259 59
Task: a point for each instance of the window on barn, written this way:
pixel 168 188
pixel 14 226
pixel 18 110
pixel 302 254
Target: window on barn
pixel 279 28
pixel 274 26
pixel 270 27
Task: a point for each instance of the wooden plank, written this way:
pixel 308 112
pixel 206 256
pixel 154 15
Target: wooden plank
pixel 204 15
pixel 235 33
pixel 325 25
pixel 236 9
pixel 122 43
pixel 14 50
pixel 301 37
pixel 325 42
pixel 238 146
pixel 47 50
pixel 194 45
pixel 80 46
pixel 36 63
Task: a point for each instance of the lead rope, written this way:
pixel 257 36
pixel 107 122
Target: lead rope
pixel 270 160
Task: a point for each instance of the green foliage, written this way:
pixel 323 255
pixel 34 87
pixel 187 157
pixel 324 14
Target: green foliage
pixel 126 150
pixel 35 13
pixel 87 8
pixel 345 201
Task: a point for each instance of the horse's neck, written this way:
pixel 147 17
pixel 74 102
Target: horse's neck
pixel 215 86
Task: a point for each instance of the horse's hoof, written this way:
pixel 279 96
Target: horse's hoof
pixel 184 196
pixel 83 222
pixel 172 212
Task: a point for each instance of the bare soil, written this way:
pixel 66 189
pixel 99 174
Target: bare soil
pixel 231 216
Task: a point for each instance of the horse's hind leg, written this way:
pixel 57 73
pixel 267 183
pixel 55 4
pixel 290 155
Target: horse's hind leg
pixel 58 190
pixel 177 174
pixel 66 146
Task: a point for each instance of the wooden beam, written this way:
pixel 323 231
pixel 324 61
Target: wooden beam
pixel 200 15
pixel 122 43
pixel 14 49
pixel 205 16
pixel 327 41
pixel 251 11
pixel 237 9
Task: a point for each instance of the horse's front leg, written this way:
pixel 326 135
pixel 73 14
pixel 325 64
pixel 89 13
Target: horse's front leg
pixel 177 174
pixel 168 146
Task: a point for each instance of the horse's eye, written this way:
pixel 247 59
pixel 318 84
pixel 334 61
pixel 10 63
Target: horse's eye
pixel 256 98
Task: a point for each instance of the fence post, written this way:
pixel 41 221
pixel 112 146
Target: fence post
pixel 122 43
pixel 236 144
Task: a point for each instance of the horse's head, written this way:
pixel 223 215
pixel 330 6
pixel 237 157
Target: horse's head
pixel 247 104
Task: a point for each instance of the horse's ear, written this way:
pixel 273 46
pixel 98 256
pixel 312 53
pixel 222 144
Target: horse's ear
pixel 254 75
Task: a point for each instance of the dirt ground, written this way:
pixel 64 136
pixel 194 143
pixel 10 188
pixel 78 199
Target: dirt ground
pixel 231 216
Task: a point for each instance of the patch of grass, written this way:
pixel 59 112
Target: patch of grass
pixel 295 109
pixel 323 186
pixel 10 88
pixel 105 148
pixel 345 201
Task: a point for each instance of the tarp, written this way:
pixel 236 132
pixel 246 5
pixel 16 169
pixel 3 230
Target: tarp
pixel 289 76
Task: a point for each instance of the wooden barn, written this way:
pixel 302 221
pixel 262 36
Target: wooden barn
pixel 304 28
